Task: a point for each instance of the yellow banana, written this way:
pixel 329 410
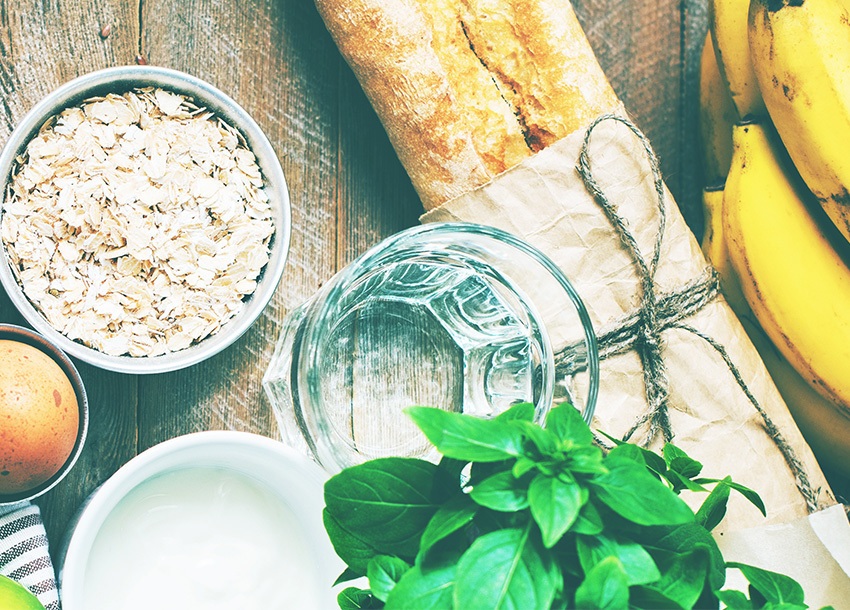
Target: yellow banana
pixel 717 114
pixel 801 56
pixel 728 26
pixel 790 260
pixel 714 248
pixel 824 424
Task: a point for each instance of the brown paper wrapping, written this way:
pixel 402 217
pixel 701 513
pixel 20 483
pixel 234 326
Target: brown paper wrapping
pixel 814 551
pixel 545 201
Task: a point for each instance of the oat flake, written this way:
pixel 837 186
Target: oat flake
pixel 137 223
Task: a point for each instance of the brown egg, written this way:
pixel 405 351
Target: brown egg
pixel 39 417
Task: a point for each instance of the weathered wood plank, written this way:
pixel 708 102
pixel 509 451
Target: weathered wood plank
pixel 640 49
pixel 42 45
pixel 46 43
pixel 694 27
pixel 375 197
pixel 276 60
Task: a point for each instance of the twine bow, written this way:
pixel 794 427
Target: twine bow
pixel 643 329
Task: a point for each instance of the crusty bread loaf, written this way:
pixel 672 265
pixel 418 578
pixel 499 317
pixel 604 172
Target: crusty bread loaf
pixel 537 51
pixel 468 88
pixel 496 131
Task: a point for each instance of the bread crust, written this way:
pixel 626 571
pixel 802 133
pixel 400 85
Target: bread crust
pixel 538 52
pixel 466 89
pixel 495 128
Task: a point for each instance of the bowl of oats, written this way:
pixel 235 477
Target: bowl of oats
pixel 145 221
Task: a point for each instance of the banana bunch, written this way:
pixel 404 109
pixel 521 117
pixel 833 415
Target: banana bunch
pixel 800 52
pixel 776 225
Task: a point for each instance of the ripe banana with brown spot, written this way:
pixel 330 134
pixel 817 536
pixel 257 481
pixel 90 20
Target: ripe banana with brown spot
pixel 791 261
pixel 717 114
pixel 728 27
pixel 801 56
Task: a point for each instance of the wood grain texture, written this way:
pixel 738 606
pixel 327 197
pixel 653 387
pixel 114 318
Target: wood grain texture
pixel 43 44
pixel 640 47
pixel 276 61
pixel 694 28
pixel 374 196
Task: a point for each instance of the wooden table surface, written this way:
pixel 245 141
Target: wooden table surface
pixel 348 190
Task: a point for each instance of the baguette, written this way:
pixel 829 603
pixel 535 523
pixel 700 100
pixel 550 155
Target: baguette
pixel 537 51
pixel 466 89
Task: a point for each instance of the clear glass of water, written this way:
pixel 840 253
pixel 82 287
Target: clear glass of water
pixel 458 316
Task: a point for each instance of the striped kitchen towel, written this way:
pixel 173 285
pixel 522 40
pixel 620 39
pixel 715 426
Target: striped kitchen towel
pixel 23 552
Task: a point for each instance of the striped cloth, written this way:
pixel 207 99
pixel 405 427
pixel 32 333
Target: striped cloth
pixel 23 552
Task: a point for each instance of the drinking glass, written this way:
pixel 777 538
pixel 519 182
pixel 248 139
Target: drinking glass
pixel 457 316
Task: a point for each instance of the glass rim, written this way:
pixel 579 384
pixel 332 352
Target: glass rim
pixel 374 255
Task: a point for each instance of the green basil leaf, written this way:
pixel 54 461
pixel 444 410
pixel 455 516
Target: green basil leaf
pixel 506 569
pixel 567 423
pixel 347 574
pixel 679 461
pixel 589 521
pixel 352 598
pixel 383 573
pixel 522 410
pixel 756 597
pixel 713 508
pixel 750 495
pixel 631 491
pixel 653 461
pixel 734 600
pixel 448 519
pixel 586 460
pixel 544 441
pixel 449 479
pixel 605 587
pixel 523 466
pixel 430 589
pixel 684 576
pixel 627 452
pixel 646 598
pixel 464 437
pixel 637 563
pixel 478 471
pixel 502 492
pixel 776 588
pixel 679 482
pixel 385 501
pixel 351 548
pixel 675 542
pixel 617 442
pixel 642 456
pixel 555 505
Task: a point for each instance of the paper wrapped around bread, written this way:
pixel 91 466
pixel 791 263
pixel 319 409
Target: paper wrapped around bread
pixel 486 103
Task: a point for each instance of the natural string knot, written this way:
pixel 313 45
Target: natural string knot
pixel 642 331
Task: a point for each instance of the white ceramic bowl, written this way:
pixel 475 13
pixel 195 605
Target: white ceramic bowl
pixel 120 80
pixel 294 480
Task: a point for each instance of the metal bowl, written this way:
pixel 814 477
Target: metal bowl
pixel 119 80
pixel 11 332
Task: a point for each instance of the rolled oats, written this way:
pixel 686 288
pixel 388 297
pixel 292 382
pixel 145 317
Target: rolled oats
pixel 137 224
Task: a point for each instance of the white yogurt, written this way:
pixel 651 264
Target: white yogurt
pixel 201 539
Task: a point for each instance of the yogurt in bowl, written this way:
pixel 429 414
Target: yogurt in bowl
pixel 208 521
